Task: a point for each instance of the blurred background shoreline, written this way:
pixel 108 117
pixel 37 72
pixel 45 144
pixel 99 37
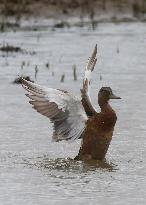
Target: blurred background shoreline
pixel 71 12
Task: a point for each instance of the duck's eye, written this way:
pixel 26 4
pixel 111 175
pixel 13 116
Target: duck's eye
pixel 102 90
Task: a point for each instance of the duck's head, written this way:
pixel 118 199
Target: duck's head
pixel 105 94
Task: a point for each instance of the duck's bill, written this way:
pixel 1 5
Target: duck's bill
pixel 112 96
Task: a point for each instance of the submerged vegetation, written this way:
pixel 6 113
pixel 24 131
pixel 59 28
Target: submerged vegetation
pixel 7 48
pixel 27 64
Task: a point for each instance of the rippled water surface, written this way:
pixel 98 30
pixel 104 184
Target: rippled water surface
pixel 34 170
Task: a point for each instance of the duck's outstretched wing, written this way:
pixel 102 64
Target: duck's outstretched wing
pixel 86 101
pixel 63 109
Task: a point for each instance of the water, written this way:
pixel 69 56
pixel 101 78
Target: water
pixel 34 170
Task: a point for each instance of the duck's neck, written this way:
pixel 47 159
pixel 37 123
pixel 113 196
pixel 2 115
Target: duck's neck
pixel 104 105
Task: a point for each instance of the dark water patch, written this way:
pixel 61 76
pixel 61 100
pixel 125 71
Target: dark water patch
pixel 62 25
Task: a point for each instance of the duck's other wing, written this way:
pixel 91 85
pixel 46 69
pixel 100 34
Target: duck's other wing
pixel 63 109
pixel 86 100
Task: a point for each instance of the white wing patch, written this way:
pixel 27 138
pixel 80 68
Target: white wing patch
pixel 63 109
pixel 89 68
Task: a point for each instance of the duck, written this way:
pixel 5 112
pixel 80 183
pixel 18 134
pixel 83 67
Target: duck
pixel 76 118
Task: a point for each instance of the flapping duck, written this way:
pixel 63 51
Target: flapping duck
pixel 75 118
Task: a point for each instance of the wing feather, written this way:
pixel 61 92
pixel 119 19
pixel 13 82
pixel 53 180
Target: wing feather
pixel 86 100
pixel 64 110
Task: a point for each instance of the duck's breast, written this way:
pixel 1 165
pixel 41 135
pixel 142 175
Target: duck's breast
pixel 98 135
pixel 107 121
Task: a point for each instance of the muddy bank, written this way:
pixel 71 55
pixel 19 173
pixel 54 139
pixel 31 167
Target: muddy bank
pixel 98 10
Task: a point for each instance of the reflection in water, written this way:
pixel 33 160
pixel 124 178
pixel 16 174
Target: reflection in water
pixel 96 164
